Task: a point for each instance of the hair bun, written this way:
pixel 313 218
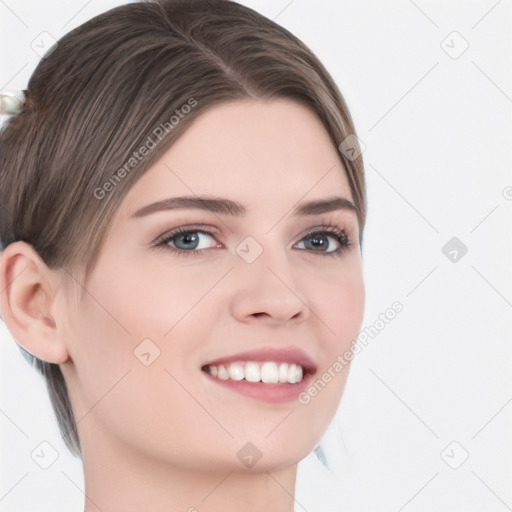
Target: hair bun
pixel 12 102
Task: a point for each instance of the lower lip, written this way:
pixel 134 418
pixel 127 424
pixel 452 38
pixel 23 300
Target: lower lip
pixel 273 393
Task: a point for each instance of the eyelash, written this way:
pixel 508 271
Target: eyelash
pixel 331 230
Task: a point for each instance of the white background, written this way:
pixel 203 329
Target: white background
pixel 437 131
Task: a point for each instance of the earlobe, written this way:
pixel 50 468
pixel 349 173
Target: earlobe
pixel 27 300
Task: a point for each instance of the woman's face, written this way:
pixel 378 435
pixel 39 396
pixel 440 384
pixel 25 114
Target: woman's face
pixel 256 280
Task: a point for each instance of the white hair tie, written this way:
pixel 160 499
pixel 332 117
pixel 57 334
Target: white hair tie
pixel 12 103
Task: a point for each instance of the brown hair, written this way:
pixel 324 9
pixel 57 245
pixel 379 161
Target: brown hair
pixel 133 77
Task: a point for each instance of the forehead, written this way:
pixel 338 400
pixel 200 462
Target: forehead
pixel 253 151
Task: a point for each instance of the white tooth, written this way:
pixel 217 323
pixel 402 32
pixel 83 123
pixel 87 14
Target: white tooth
pixel 222 373
pixel 269 372
pixel 292 371
pixel 236 371
pixel 252 372
pixel 283 372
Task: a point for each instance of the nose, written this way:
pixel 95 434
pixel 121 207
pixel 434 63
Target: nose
pixel 268 291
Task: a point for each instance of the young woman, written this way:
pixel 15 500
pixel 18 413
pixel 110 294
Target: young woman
pixel 182 215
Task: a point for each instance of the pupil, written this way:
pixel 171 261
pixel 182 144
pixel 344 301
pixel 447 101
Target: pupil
pixel 189 239
pixel 318 241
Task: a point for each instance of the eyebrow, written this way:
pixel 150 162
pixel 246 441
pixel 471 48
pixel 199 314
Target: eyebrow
pixel 236 209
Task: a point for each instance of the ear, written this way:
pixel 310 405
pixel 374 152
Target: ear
pixel 27 300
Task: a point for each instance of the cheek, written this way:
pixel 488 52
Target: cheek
pixel 338 303
pixel 116 326
pixel 114 390
pixel 339 306
pixel 144 304
pixel 347 310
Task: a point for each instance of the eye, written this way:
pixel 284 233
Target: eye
pixel 326 240
pixel 319 241
pixel 186 240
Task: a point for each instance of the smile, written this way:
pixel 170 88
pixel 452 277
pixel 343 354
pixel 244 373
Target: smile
pixel 269 372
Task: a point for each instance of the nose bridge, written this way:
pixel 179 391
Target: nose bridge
pixel 265 283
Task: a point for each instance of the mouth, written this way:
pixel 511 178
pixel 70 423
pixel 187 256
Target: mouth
pixel 274 375
pixel 269 372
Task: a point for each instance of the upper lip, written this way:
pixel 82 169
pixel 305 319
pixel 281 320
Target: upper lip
pixel 288 354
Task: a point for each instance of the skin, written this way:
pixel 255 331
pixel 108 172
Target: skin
pixel 164 437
